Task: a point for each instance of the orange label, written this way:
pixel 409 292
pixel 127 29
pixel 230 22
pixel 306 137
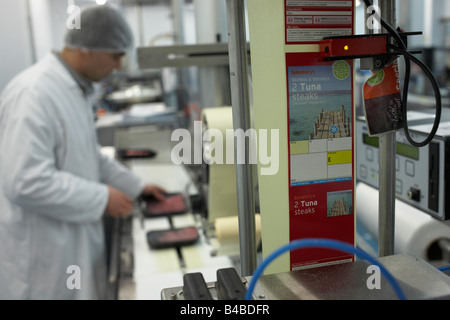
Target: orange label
pixel 382 101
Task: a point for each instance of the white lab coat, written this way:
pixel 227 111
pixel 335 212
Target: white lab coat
pixel 53 188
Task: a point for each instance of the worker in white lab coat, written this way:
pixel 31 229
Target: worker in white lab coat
pixel 55 184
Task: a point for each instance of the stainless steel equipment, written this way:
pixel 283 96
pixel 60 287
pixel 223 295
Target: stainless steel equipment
pixel 421 177
pixel 348 281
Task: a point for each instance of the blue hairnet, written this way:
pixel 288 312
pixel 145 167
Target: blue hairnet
pixel 102 28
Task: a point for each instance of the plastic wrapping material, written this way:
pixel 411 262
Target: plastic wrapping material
pixel 415 231
pixel 227 230
pixel 126 154
pixel 173 204
pixel 172 238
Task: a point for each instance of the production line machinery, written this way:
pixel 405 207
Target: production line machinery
pixel 409 275
pixel 417 279
pixel 399 276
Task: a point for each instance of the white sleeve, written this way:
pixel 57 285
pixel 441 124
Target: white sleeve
pixel 120 177
pixel 28 174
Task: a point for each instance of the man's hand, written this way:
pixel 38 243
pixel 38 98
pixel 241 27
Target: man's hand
pixel 119 204
pixel 155 191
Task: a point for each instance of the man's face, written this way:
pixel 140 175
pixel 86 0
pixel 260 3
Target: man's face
pixel 101 64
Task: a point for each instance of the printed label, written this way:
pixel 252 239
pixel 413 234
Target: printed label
pixel 382 101
pixel 311 21
pixel 320 122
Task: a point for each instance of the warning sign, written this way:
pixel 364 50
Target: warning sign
pixel 310 21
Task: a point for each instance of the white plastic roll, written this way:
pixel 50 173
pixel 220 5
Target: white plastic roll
pixel 222 198
pixel 415 231
pixel 227 229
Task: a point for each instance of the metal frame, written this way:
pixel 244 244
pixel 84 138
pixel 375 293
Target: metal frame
pixel 386 222
pixel 184 55
pixel 240 98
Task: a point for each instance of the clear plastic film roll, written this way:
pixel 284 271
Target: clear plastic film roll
pixel 415 231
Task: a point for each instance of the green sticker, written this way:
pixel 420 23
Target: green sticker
pixel 341 70
pixel 377 78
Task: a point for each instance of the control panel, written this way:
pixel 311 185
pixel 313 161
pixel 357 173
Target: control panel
pixel 422 174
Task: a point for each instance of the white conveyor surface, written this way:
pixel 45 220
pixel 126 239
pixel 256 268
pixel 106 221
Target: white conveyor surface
pixel 155 270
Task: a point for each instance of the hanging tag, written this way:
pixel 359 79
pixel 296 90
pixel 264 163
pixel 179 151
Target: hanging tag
pixel 382 101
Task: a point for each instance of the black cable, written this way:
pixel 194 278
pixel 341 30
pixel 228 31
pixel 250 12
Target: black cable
pixel 402 49
pixel 409 57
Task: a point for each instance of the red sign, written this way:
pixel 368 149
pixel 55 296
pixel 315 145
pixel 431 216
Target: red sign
pixel 321 157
